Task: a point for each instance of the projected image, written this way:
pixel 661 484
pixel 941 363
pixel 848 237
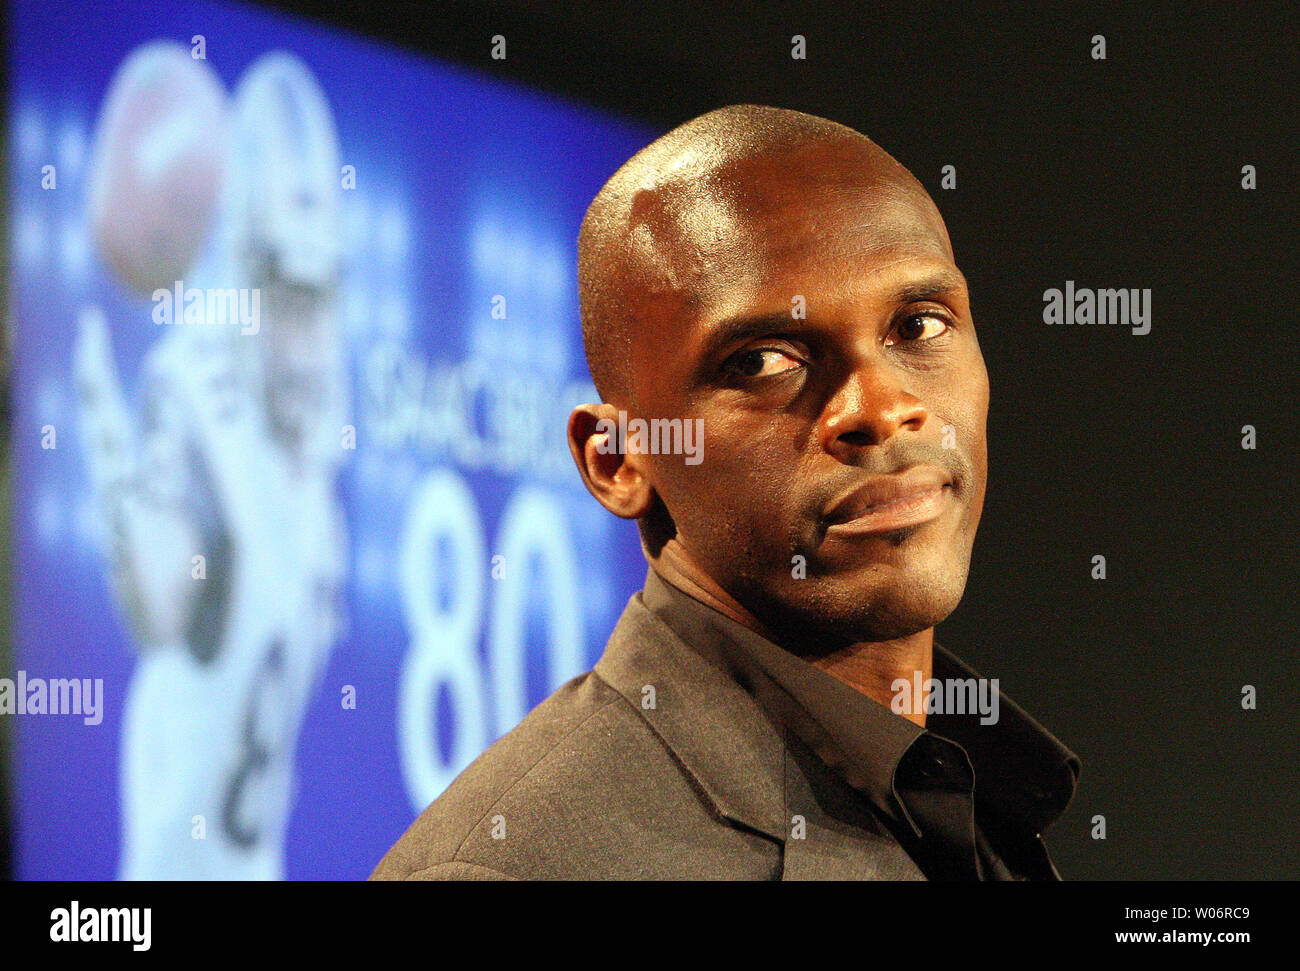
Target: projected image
pixel 298 336
pixel 231 454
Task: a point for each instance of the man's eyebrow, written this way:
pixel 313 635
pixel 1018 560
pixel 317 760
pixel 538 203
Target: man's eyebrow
pixel 730 330
pixel 937 284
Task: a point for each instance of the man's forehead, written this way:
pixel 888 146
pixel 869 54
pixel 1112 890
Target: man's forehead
pixel 764 226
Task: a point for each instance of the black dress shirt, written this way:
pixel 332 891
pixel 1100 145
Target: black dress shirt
pixel 965 800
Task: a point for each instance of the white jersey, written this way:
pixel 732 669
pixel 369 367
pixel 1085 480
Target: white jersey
pixel 211 723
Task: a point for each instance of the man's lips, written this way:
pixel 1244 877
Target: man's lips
pixel 889 502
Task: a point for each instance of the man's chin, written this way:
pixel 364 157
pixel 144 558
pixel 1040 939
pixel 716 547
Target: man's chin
pixel 884 623
pixel 836 616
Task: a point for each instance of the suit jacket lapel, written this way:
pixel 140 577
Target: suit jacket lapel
pixel 708 721
pixel 736 756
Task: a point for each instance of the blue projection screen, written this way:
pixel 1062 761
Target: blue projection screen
pixel 297 532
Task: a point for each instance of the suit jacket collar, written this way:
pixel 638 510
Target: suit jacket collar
pixel 732 750
pixel 724 714
pixel 702 714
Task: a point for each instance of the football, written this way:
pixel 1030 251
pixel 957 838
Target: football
pixel 157 165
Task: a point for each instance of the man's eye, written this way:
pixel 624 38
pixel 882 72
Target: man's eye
pixel 920 327
pixel 761 362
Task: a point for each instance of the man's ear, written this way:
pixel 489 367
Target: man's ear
pixel 619 482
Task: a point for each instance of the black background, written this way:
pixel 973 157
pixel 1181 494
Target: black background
pixel 1121 173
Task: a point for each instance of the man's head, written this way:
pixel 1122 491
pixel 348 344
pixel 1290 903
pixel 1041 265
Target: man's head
pixel 781 278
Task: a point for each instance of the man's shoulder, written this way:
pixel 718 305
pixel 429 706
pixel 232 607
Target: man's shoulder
pixel 581 788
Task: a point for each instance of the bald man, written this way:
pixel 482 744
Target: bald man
pixel 772 705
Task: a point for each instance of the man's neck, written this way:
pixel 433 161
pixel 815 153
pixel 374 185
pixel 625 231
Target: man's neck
pixel 874 667
pixel 870 667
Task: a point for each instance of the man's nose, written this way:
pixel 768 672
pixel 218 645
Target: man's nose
pixel 869 408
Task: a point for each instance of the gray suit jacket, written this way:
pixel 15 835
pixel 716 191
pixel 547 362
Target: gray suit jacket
pixel 656 765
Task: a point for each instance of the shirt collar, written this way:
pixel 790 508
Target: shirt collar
pixel 1024 777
